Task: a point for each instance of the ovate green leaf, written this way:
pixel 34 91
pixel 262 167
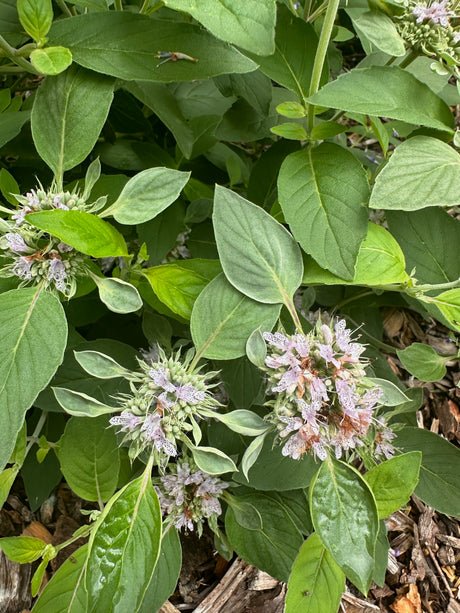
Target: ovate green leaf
pixel 51 60
pixel 83 231
pixel 345 516
pixel 223 319
pixel 147 194
pixel 423 171
pixel 423 362
pixel 316 582
pixel 212 461
pixel 380 30
pixel 392 482
pixel 386 91
pixel 34 332
pixel 68 114
pixel 322 192
pixel 119 296
pixel 380 262
pixel 124 548
pixel 79 404
pixel 36 17
pixel 89 458
pixel 126 45
pixel 439 481
pixel 250 24
pixel 22 549
pixel 259 256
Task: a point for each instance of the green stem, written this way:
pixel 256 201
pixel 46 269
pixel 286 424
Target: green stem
pixel 352 299
pixel 118 5
pixel 144 7
pixel 410 57
pixel 289 304
pixel 11 70
pixel 320 56
pixel 38 428
pixel 197 357
pixel 317 12
pixel 64 8
pixel 428 288
pixel 14 55
pixel 307 9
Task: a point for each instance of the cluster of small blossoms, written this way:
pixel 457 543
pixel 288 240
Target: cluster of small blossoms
pixel 322 397
pixel 432 29
pixel 189 496
pixel 33 255
pixel 164 407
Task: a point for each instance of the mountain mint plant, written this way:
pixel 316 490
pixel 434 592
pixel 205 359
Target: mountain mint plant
pixel 285 158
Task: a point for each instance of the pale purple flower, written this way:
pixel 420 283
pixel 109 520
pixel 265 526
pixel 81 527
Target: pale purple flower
pixel 126 419
pixel 354 351
pixel 347 396
pixel 327 334
pixel 383 440
pixel 189 394
pixel 292 424
pixel 15 242
pixel 57 273
pixel 278 340
pixel 165 401
pixel 300 343
pixel 211 486
pixel 210 506
pixel 288 381
pixel 160 378
pixel 22 268
pixel 342 335
pixel 183 521
pixel 437 12
pixel 57 204
pixel 64 247
pixel 327 353
pixel 153 432
pixel 318 391
pixel 33 199
pixel 371 397
pixel 285 359
pixel 20 215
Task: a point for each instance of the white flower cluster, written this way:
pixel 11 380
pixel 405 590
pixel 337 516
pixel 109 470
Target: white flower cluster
pixel 323 399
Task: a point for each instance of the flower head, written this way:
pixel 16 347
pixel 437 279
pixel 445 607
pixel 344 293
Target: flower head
pixel 322 398
pixel 190 496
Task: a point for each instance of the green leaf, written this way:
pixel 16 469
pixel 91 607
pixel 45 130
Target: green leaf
pixel 422 172
pixel 68 114
pixel 449 305
pixel 322 192
pixel 291 131
pixel 212 461
pixel 36 17
pixel 51 60
pixel 124 548
pixel 295 47
pixel 259 256
pixel 246 514
pixel 380 262
pixel 439 481
pixel 8 186
pixel 274 472
pixel 146 195
pixel 34 332
pixel 327 129
pixel 178 284
pixel 386 91
pixel 418 233
pixel 250 24
pixel 344 514
pixel 223 319
pixel 11 124
pixel 423 362
pixel 392 482
pixel 126 45
pixel 65 592
pixel 119 296
pixel 79 404
pixel 83 231
pixel 256 349
pixel 380 31
pixel 88 454
pixel 291 109
pixel 272 548
pixel 251 454
pixel 243 382
pixel 99 365
pixel 382 546
pixel 242 421
pixel 316 582
pixel 392 395
pixel 166 574
pixel 7 478
pixel 22 549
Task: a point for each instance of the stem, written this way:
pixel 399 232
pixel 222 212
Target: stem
pixel 64 8
pixel 352 299
pixel 38 428
pixel 196 359
pixel 410 57
pixel 14 55
pixel 118 5
pixel 320 56
pixel 317 12
pixel 289 304
pixel 144 7
pixel 427 288
pixel 307 9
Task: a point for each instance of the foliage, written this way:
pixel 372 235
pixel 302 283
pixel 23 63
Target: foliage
pixel 200 202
